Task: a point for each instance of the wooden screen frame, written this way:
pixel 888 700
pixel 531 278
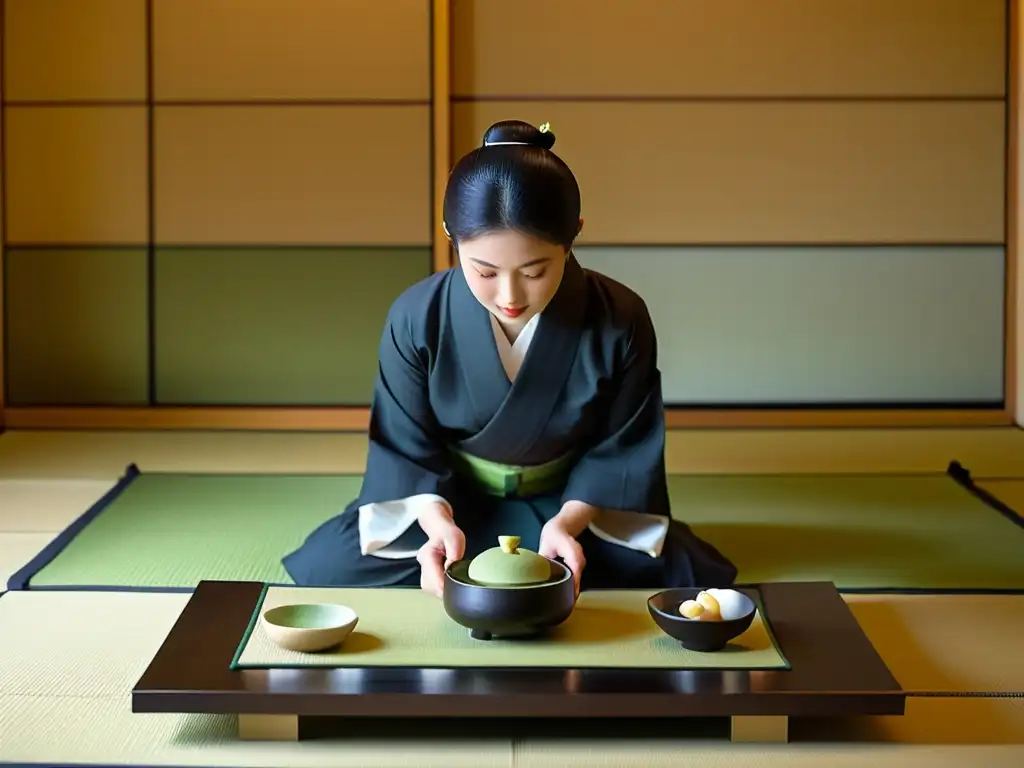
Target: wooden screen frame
pixel 356 419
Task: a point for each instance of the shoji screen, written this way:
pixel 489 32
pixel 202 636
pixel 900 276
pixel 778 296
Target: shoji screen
pixel 211 202
pixel 810 194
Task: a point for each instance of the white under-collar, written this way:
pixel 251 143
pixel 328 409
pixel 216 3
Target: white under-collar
pixel 512 355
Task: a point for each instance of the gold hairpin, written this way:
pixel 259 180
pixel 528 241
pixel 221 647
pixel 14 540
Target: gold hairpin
pixel 545 128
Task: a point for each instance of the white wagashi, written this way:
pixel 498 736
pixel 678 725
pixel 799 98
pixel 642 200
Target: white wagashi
pixel 730 603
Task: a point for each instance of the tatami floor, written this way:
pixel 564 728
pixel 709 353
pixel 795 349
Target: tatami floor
pixel 53 710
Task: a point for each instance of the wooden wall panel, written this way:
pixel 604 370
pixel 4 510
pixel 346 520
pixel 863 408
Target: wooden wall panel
pixel 76 175
pixel 823 172
pixel 76 327
pixel 821 326
pixel 689 123
pixel 279 326
pixel 59 50
pixel 336 175
pixel 210 50
pixel 728 48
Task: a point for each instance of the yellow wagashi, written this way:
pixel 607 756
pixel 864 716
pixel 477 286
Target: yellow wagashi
pixel 712 610
pixel 691 609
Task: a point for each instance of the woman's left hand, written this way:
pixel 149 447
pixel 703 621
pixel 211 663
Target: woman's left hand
pixel 557 541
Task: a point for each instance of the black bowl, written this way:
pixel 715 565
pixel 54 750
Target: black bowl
pixel 505 612
pixel 697 635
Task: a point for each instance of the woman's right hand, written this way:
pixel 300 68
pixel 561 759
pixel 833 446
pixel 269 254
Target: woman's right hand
pixel 445 544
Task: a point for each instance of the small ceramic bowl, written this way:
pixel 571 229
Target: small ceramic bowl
pixel 309 627
pixel 738 612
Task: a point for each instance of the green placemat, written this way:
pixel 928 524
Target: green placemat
pixel 871 532
pixel 409 628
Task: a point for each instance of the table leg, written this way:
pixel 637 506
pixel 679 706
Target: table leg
pixel 268 727
pixel 760 728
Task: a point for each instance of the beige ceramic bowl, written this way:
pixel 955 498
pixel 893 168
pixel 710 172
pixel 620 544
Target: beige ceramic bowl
pixel 309 627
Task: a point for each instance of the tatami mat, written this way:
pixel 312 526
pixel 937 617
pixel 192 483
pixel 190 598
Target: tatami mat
pixel 169 530
pixel 947 643
pixel 1010 492
pixel 115 635
pixel 986 452
pixel 952 721
pixel 932 643
pixel 68 701
pixel 17 549
pixel 104 455
pixel 50 731
pixel 34 512
pixel 46 505
pixel 667 753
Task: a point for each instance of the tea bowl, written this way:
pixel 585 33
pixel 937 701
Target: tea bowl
pixel 512 611
pixel 309 627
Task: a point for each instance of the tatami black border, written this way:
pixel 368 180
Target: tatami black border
pixel 963 477
pixel 20 580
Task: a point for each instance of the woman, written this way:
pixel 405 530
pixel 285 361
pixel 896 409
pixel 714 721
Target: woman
pixel 517 394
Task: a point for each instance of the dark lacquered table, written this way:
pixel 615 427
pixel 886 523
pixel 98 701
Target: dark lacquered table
pixel 835 672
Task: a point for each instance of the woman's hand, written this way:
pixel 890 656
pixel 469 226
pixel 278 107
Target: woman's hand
pixel 556 540
pixel 446 543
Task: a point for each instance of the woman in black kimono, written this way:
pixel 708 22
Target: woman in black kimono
pixel 517 394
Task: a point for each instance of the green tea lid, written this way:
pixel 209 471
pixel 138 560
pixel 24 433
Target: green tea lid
pixel 508 565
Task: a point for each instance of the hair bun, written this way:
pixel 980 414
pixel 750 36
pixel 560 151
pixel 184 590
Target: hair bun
pixel 512 132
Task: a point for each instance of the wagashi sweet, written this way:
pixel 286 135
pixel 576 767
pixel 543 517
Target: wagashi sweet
pixel 713 605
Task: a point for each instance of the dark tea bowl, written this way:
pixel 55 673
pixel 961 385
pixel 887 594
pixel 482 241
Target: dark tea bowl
pixel 499 612
pixel 698 635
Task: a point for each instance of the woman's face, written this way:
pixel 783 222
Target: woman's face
pixel 513 275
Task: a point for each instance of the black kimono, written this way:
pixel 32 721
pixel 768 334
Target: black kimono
pixel 586 406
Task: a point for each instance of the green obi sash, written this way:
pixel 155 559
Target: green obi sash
pixel 509 481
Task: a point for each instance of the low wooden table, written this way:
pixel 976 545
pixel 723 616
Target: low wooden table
pixel 835 673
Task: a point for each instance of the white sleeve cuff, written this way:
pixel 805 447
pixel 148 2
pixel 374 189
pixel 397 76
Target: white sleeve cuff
pixel 381 523
pixel 634 530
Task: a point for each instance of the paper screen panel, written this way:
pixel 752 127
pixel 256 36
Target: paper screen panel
pixel 76 327
pixel 576 48
pixel 812 326
pixel 692 173
pixel 282 49
pixel 279 175
pixel 280 326
pixel 76 175
pixel 56 50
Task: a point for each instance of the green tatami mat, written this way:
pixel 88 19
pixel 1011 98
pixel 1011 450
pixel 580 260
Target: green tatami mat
pixel 862 532
pixel 867 532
